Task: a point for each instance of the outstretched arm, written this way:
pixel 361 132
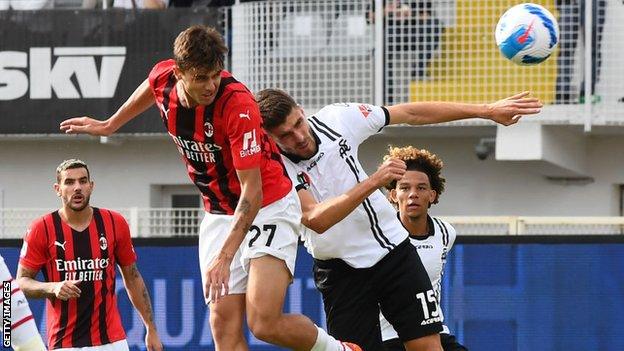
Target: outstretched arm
pixel 507 111
pixel 322 216
pixel 137 103
pixel 137 292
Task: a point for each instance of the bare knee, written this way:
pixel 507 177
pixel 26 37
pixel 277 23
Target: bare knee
pixel 226 324
pixel 224 328
pixel 263 327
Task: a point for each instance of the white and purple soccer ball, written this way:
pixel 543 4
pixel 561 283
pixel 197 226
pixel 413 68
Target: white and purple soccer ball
pixel 527 34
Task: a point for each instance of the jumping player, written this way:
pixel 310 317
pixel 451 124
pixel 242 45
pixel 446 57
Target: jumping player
pixel 215 123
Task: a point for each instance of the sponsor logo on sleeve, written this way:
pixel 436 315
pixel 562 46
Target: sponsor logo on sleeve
pixel 245 115
pixel 365 110
pixel 250 144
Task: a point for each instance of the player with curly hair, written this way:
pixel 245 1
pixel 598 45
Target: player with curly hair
pixel 413 195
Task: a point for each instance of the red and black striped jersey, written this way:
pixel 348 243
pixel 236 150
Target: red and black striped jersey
pixel 216 140
pixel 63 253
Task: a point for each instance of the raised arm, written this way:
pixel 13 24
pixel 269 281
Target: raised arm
pixel 137 103
pixel 322 216
pixel 506 111
pixel 137 292
pixel 218 273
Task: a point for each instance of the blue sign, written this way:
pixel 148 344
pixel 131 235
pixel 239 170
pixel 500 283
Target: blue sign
pixel 546 297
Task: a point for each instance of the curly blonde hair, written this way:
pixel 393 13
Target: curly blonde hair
pixel 419 160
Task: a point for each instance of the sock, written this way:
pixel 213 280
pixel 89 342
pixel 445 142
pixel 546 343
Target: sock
pixel 326 342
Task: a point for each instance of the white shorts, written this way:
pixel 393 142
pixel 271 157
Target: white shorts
pixel 121 345
pixel 275 232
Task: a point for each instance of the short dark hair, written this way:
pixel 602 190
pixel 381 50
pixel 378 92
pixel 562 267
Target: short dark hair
pixel 420 160
pixel 275 105
pixel 199 47
pixel 72 163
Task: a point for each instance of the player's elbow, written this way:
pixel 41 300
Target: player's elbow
pixel 258 195
pixel 24 285
pixel 415 120
pixel 314 222
pixel 134 286
pixel 251 195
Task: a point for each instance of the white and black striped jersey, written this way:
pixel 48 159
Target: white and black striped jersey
pixel 432 250
pixel 372 229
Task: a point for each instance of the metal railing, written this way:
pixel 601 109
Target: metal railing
pixel 522 225
pixel 172 222
pixel 143 222
pixel 326 51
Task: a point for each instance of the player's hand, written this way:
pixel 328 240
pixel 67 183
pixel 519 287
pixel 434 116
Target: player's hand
pixel 509 111
pixel 85 125
pixel 392 169
pixel 67 289
pixel 218 276
pixel 152 340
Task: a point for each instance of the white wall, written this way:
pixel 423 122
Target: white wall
pixel 123 175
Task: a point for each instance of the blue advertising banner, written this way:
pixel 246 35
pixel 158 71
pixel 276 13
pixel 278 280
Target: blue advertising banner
pixel 547 297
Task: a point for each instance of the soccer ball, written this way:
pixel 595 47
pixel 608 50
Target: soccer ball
pixel 527 34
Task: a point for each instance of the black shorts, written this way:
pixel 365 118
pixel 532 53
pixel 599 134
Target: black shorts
pixel 398 284
pixel 449 343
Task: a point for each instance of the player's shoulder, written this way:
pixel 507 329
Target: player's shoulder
pixel 233 91
pixel 336 113
pixel 339 107
pixel 226 74
pixel 346 111
pixel 37 226
pixel 231 85
pixel 114 215
pixel 40 222
pixel 160 69
pixel 444 226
